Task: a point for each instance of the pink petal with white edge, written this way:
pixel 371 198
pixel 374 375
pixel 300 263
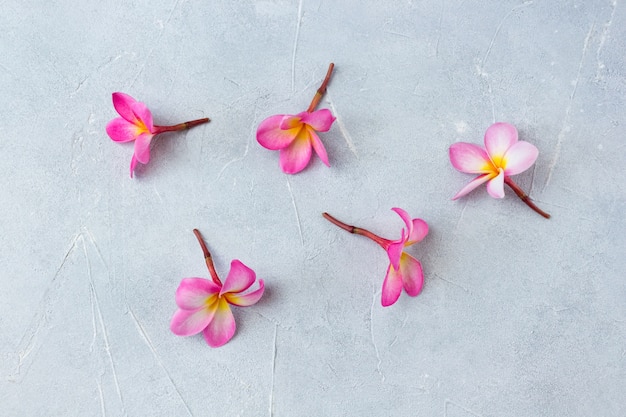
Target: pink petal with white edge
pixel 270 136
pixel 246 300
pixel 143 115
pixel 190 322
pixel 318 146
pixel 419 232
pixel 296 156
pixel 193 293
pixel 520 157
pixel 498 138
pixel 142 147
pixel 412 274
pixel 121 130
pixel 239 278
pixel 222 328
pixel 392 286
pixel 495 187
pixel 123 106
pixel 320 120
pixel 469 158
pixel 473 184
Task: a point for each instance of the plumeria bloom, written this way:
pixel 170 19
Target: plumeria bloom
pixel 504 155
pixel 135 124
pixel 295 136
pixel 204 305
pixel 404 271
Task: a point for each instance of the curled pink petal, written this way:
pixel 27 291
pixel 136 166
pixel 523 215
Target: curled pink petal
pixel 123 105
pixel 392 286
pixel 271 136
pixel 412 274
pixel 248 299
pixel 394 250
pixel 318 146
pixel 190 322
pixel 495 187
pixel 498 138
pixel 239 278
pixel 520 157
pixel 193 293
pixel 297 155
pixel 469 158
pixel 133 164
pixel 320 120
pixel 472 185
pixel 406 219
pixel 419 232
pixel 142 147
pixel 222 326
pixel 121 130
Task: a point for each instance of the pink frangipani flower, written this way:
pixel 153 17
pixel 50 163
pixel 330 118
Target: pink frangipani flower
pixel 204 305
pixel 404 271
pixel 295 135
pixel 504 155
pixel 136 124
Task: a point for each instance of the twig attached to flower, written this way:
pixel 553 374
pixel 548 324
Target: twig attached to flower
pixel 295 135
pixel 136 124
pixel 504 155
pixel 204 305
pixel 404 271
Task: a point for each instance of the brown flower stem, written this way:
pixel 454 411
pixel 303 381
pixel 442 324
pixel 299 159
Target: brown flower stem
pixel 320 91
pixel 522 195
pixel 356 230
pixel 207 258
pixel 181 126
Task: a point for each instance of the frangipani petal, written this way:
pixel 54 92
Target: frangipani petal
pixel 297 155
pixel 469 158
pixel 290 122
pixel 123 106
pixel 473 184
pixel 320 120
pixel 142 147
pixel 133 164
pixel 318 146
pixel 222 327
pixel 239 278
pixel 419 232
pixel 270 136
pixel 499 137
pixel 190 322
pixel 392 286
pixel 144 117
pixel 194 293
pixel 246 300
pixel 406 219
pixel 495 187
pixel 394 250
pixel 520 157
pixel 121 130
pixel 412 274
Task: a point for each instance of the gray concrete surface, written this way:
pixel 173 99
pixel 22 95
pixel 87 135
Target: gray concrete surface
pixel 519 316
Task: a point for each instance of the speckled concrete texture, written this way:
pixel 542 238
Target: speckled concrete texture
pixel 519 315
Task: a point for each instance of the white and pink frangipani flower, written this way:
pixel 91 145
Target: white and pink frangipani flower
pixel 404 271
pixel 295 136
pixel 204 305
pixel 135 124
pixel 503 155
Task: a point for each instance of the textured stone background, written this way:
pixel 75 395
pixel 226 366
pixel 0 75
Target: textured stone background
pixel 519 316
